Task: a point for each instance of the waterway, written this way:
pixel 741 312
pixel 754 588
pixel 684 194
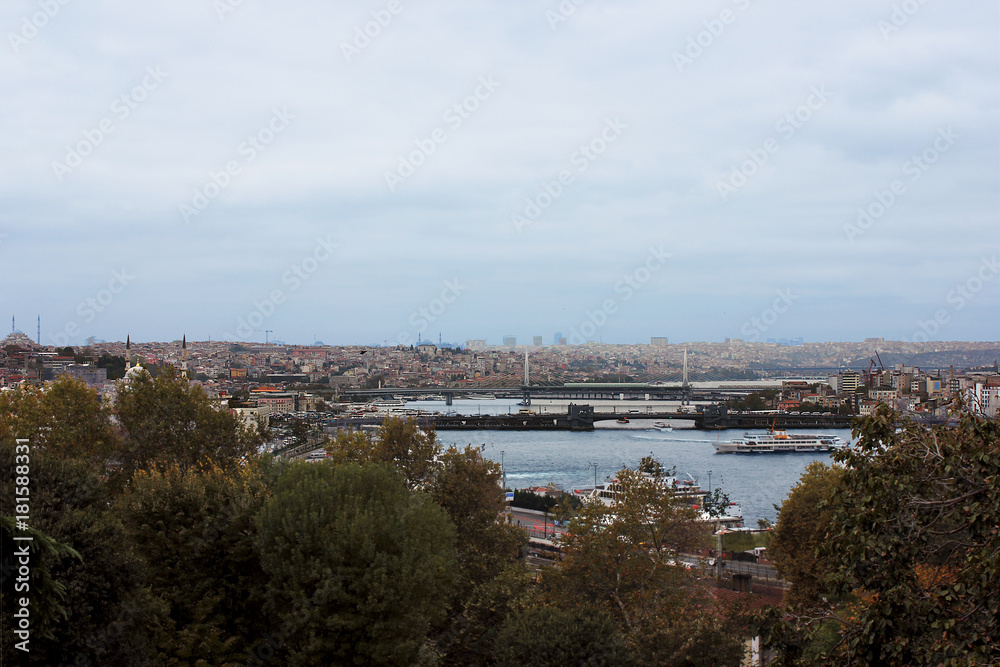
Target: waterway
pixel 570 459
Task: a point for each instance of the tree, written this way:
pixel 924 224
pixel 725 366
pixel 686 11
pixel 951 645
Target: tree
pixel 359 567
pixel 166 421
pixel 622 560
pixel 804 523
pixel 398 442
pixel 913 550
pixel 551 636
pixel 104 616
pixel 67 420
pixel 195 529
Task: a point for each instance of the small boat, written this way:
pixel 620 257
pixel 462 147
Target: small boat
pixel 662 426
pixel 623 419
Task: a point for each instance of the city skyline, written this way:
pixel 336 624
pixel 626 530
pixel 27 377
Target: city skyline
pixel 612 172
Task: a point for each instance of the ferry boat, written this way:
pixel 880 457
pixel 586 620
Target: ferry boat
pixel 662 426
pixel 779 442
pixel 687 490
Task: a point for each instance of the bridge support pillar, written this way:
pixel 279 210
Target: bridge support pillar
pixel 449 399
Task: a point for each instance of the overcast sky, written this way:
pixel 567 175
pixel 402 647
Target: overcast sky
pixel 370 172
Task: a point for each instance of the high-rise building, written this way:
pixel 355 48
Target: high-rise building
pixel 658 341
pixel 557 338
pixel 510 341
pixel 476 344
pixel 536 341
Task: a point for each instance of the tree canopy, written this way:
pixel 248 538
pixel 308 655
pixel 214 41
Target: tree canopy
pixel 359 568
pixel 910 562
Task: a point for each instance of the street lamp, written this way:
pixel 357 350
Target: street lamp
pixel 503 471
pixel 709 481
pixel 593 464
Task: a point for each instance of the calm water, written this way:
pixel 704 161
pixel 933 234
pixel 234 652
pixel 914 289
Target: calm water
pixel 535 458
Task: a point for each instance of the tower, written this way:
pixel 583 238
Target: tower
pixel 128 354
pixel 526 383
pixel 184 355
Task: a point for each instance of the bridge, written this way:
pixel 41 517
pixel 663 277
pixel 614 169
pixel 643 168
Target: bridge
pixel 583 418
pixel 572 391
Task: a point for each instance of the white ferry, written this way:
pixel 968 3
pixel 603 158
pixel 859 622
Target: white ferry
pixel 687 490
pixel 779 442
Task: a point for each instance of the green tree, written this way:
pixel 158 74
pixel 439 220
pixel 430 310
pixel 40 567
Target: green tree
pixel 105 616
pixel 195 529
pixel 804 523
pixel 359 567
pixel 551 636
pixel 166 421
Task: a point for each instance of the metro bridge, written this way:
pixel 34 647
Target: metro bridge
pixel 573 391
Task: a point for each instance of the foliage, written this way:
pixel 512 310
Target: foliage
pixel 167 421
pixel 359 567
pixel 115 365
pixel 398 442
pixel 530 500
pixel 913 551
pixel 804 523
pixel 552 636
pixel 470 636
pixel 105 616
pixel 761 400
pixel 622 561
pixel 66 420
pixel 195 529
pixel 467 486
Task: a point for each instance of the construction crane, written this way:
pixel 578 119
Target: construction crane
pixel 265 332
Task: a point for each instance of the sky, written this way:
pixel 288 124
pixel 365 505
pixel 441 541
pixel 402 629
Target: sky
pixel 376 172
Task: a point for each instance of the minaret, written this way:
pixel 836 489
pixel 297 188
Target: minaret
pixel 184 355
pixel 128 354
pixel 39 333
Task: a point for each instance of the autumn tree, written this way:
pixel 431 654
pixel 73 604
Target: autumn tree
pixel 804 523
pixel 913 550
pixel 168 421
pixel 66 419
pixel 399 442
pixel 491 579
pixel 359 567
pixel 623 560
